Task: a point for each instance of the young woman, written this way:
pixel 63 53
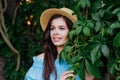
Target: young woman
pixel 56 24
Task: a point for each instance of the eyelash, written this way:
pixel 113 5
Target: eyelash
pixel 52 28
pixel 62 28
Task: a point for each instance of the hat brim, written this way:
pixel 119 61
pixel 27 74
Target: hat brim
pixel 47 14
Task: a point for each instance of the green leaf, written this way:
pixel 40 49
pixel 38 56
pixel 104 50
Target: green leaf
pixel 96 17
pixel 88 3
pixel 76 58
pixel 112 69
pixel 115 25
pixel 118 15
pixel 110 31
pixel 92 69
pixel 78 30
pixel 63 55
pixel 66 53
pixel 116 41
pixel 101 12
pixel 116 11
pixel 95 53
pixel 99 63
pixel 86 31
pixel 83 3
pixel 96 5
pixel 71 34
pixel 98 26
pixel 68 48
pixel 82 71
pixel 91 25
pixel 105 50
pixel 76 24
pixel 117 67
pixel 118 78
pixel 110 7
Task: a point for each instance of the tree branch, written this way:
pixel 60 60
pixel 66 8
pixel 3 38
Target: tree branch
pixel 15 13
pixel 4 34
pixel 5 5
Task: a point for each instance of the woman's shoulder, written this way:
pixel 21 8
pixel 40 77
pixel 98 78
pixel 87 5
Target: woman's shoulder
pixel 40 56
pixel 37 67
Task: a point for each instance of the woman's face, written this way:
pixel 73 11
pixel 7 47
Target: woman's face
pixel 59 31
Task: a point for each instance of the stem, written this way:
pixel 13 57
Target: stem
pixel 5 5
pixel 86 13
pixel 15 13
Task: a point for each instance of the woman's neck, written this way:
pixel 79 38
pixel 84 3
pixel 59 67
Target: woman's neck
pixel 59 49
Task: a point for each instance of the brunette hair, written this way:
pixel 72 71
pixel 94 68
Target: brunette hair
pixel 50 51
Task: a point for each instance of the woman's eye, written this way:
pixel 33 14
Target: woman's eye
pixel 62 28
pixel 51 28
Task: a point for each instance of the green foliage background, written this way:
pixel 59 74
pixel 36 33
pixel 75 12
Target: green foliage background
pixel 94 43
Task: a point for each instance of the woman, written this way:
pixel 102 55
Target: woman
pixel 56 24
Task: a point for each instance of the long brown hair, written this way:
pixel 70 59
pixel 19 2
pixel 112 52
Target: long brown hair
pixel 50 50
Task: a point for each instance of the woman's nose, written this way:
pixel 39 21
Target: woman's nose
pixel 55 31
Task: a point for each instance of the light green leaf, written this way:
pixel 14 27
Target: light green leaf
pixel 71 34
pixel 76 58
pixel 118 78
pixel 105 50
pixel 98 26
pixel 88 3
pixel 63 55
pixel 115 25
pixel 91 25
pixel 110 31
pixel 78 30
pixel 95 53
pixel 83 3
pixel 117 67
pixel 68 48
pixel 110 7
pixel 101 12
pixel 116 11
pixel 86 31
pixel 118 15
pixel 112 69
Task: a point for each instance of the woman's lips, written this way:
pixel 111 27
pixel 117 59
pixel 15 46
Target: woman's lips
pixel 56 39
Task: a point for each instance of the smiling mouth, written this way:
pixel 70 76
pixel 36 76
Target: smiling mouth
pixel 56 39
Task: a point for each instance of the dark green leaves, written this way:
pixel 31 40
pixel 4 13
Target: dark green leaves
pixel 116 41
pixel 95 53
pixel 96 17
pixel 92 69
pixel 84 3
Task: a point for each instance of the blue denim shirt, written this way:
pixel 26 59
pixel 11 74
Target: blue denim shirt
pixel 35 71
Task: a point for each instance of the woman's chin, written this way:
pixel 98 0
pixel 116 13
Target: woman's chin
pixel 58 44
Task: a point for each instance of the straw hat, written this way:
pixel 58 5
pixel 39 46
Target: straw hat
pixel 47 14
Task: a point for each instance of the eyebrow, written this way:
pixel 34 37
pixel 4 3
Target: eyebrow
pixel 62 26
pixel 59 25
